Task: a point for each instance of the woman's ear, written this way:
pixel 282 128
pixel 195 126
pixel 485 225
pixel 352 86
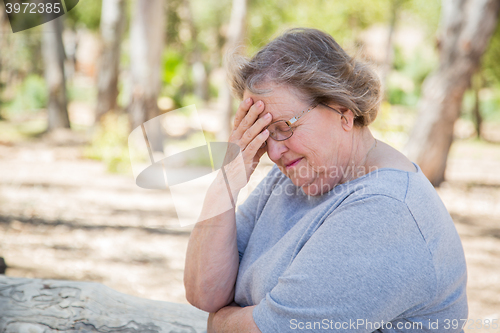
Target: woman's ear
pixel 347 119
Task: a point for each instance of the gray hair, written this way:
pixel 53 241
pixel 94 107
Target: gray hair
pixel 312 62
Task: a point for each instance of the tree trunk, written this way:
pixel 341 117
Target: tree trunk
pixel 50 306
pixel 198 70
pixel 235 33
pixel 2 11
pixel 466 28
pixel 476 112
pixel 53 59
pixel 146 46
pixel 112 25
pixel 389 48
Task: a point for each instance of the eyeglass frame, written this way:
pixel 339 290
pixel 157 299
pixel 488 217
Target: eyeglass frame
pixel 293 120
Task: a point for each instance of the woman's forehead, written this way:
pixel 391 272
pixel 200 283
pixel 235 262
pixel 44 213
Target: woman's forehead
pixel 280 102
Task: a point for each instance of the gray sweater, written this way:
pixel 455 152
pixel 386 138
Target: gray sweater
pixel 379 253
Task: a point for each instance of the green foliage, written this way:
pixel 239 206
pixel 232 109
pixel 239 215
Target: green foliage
pixel 396 95
pixel 177 81
pixel 173 68
pixel 175 76
pixel 393 124
pixel 405 82
pixel 81 93
pixel 211 17
pixel 21 53
pixel 266 19
pixel 110 143
pixel 399 61
pixel 490 63
pixel 427 12
pixel 18 131
pixel 173 22
pixel 86 12
pixel 342 19
pixel 30 97
pixel 489 94
pixel 418 68
pixel 189 99
pixel 489 104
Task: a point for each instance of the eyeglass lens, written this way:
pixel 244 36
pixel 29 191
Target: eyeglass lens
pixel 280 130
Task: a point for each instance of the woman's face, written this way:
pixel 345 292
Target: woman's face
pixel 317 152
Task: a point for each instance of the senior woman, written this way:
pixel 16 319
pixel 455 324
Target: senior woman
pixel 344 233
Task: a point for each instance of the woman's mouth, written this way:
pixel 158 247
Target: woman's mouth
pixel 293 163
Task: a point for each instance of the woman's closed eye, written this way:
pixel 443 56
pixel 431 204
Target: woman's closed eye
pixel 280 130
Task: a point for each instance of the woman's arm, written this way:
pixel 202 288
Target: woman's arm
pixel 212 256
pixel 232 318
pixel 212 259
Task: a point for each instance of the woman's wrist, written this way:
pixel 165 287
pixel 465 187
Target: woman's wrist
pixel 232 318
pixel 220 198
pixel 220 317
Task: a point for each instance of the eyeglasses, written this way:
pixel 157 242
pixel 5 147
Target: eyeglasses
pixel 282 130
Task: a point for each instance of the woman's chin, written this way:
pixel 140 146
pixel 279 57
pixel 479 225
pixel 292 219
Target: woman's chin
pixel 311 184
pixel 313 187
pixel 308 186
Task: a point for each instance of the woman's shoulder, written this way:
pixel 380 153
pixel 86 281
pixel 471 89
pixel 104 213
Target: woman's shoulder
pixel 391 158
pixel 390 173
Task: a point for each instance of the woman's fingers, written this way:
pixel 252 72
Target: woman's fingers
pixel 251 156
pixel 254 130
pixel 248 119
pixel 242 111
pixel 250 132
pixel 254 148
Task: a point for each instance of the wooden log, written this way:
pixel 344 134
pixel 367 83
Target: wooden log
pixel 49 306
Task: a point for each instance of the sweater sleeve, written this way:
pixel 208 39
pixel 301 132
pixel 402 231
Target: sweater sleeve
pixel 366 264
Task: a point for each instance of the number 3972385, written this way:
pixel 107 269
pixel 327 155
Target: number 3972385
pixel 33 8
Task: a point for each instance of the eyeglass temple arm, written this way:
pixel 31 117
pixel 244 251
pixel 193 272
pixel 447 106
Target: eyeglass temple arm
pixel 333 109
pixel 294 119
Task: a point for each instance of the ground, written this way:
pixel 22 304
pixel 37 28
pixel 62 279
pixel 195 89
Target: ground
pixel 65 217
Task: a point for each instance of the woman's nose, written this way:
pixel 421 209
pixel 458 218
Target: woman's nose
pixel 275 149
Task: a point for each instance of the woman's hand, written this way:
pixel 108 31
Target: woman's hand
pixel 232 319
pixel 249 134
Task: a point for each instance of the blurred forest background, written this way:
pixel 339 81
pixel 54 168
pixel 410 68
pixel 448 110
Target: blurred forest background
pixel 72 89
